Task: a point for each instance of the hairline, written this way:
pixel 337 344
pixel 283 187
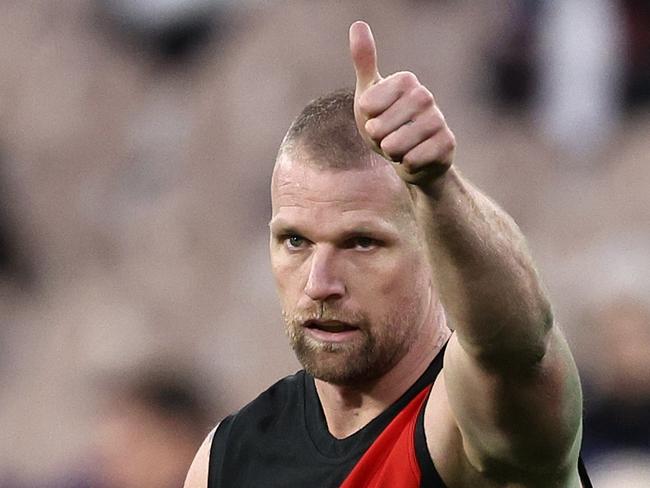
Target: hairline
pixel 298 153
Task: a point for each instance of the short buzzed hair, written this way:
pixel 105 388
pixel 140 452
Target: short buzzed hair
pixel 325 133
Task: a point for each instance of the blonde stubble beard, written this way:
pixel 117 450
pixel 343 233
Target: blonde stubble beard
pixel 361 361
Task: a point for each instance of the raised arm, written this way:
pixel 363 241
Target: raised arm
pixel 510 382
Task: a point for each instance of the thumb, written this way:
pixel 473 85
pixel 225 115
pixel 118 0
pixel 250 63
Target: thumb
pixel 364 55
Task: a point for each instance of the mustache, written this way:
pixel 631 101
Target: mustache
pixel 323 312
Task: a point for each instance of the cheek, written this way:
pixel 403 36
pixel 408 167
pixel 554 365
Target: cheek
pixel 409 285
pixel 405 276
pixel 281 275
pixel 288 281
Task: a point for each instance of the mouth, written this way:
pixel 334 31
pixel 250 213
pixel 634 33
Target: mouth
pixel 330 330
pixel 332 326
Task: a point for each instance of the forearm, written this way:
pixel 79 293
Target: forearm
pixel 484 273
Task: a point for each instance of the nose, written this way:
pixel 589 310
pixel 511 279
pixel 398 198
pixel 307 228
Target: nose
pixel 324 281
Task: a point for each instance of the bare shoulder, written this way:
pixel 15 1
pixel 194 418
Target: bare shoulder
pixel 197 476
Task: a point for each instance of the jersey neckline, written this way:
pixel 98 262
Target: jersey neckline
pixel 355 444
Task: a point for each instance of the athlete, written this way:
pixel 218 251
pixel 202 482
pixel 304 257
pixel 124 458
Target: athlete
pixel 380 248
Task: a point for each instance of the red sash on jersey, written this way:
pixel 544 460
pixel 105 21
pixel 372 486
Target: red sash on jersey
pixel 391 462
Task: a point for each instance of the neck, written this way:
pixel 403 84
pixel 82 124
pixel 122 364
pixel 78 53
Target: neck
pixel 348 409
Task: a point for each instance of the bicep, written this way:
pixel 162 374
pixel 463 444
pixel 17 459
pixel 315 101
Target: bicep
pixel 524 418
pixel 197 476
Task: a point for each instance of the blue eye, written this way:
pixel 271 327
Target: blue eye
pixel 294 241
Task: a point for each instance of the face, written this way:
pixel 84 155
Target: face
pixel 351 271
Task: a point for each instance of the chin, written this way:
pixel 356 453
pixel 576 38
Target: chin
pixel 345 366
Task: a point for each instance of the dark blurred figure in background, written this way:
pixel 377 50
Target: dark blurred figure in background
pixel 175 32
pixel 514 54
pixel 618 412
pixel 15 266
pixel 581 64
pixel 637 69
pixel 613 332
pixel 146 433
pixel 617 400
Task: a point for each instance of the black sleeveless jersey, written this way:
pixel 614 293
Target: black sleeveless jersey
pixel 281 439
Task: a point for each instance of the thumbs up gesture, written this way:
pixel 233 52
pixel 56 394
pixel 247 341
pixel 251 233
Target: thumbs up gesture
pixel 398 116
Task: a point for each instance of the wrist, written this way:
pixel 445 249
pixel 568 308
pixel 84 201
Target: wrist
pixel 435 185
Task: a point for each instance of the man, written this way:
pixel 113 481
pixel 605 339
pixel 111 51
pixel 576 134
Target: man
pixel 367 248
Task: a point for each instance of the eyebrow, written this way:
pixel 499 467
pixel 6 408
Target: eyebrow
pixel 280 226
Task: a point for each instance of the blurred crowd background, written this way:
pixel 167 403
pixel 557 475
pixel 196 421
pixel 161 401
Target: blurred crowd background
pixel 137 139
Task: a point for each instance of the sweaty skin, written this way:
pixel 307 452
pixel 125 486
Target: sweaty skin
pixel 506 412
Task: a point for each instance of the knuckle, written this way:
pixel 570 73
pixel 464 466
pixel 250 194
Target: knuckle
pixel 407 80
pixel 422 96
pixel 438 119
pixel 436 126
pixel 389 148
pixel 386 146
pixel 433 124
pixel 372 127
pixel 450 141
